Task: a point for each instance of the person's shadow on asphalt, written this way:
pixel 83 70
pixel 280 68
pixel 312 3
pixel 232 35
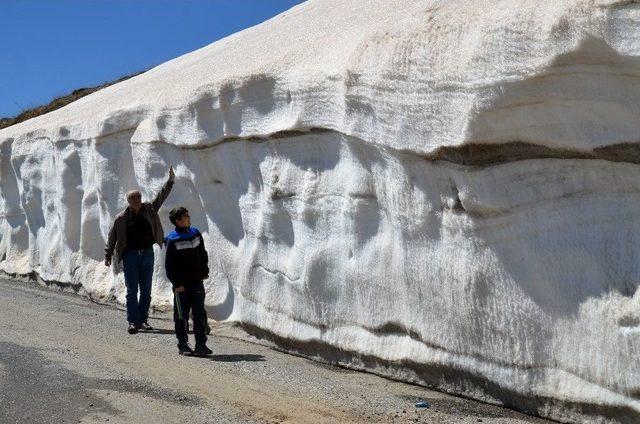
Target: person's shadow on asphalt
pixel 237 358
pixel 230 357
pixel 216 358
pixel 158 331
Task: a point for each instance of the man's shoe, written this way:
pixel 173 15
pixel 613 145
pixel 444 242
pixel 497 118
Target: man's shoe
pixel 145 326
pixel 133 329
pixel 184 350
pixel 202 350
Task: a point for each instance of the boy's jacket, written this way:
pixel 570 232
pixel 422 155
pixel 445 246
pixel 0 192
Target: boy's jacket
pixel 186 262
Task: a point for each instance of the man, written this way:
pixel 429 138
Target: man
pixel 132 235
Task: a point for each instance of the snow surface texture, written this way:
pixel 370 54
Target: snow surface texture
pixel 441 191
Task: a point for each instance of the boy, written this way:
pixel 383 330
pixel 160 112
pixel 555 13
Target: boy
pixel 187 266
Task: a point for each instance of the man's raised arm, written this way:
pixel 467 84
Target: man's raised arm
pixel 164 192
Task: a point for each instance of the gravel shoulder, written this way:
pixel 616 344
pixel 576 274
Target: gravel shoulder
pixel 64 359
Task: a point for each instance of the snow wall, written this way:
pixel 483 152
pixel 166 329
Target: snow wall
pixel 445 192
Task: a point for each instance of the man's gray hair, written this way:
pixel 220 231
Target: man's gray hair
pixel 132 193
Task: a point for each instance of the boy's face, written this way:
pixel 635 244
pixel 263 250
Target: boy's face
pixel 184 221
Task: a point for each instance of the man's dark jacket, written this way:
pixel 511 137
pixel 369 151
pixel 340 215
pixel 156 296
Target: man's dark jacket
pixel 118 234
pixel 186 260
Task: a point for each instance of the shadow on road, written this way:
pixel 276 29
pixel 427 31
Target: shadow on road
pixel 238 358
pixel 37 390
pixel 158 331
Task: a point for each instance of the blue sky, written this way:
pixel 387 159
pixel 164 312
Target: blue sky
pixel 52 47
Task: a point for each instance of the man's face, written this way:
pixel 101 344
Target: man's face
pixel 135 201
pixel 184 221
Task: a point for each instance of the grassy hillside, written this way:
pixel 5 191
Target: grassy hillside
pixel 57 103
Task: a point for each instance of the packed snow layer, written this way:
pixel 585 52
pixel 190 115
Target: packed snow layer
pixel 441 191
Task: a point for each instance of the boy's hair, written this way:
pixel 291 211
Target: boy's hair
pixel 177 213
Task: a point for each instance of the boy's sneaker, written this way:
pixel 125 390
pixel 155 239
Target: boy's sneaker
pixel 184 350
pixel 133 329
pixel 202 350
pixel 145 326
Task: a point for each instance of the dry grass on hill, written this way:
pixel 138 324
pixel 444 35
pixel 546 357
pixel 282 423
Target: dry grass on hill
pixel 57 103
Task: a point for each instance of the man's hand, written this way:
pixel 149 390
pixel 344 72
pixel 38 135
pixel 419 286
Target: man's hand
pixel 172 175
pixel 107 261
pixel 180 289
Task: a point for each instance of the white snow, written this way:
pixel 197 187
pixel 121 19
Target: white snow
pixel 328 157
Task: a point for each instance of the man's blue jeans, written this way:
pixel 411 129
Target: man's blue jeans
pixel 138 272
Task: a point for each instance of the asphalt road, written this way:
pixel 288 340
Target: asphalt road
pixel 64 359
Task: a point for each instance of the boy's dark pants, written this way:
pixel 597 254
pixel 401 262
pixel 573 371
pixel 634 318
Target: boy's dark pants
pixel 192 299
